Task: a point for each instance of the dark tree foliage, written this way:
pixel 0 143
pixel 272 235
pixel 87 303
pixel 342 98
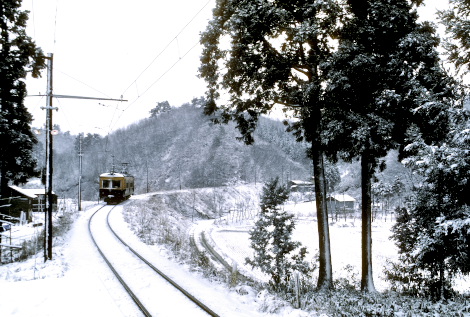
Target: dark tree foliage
pixel 18 56
pixel 271 239
pixel 161 107
pixel 384 78
pixel 457 23
pixel 434 235
pixel 258 54
pixel 332 176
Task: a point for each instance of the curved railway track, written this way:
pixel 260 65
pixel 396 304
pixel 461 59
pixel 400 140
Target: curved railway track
pixel 127 282
pixel 203 241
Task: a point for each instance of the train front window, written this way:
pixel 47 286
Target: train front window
pixel 106 183
pixel 116 184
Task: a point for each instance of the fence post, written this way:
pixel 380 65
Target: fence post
pixel 234 275
pixel 297 289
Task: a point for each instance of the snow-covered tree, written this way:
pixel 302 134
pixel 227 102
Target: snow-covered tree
pixel 435 234
pixel 385 77
pixel 18 56
pixel 258 55
pixel 271 239
pixel 161 107
pixel 457 22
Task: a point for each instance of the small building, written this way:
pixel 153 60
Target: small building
pixel 340 202
pixel 27 200
pixel 301 186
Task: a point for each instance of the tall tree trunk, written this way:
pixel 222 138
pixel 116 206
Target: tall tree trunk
pixel 442 281
pixel 3 184
pixel 325 277
pixel 367 281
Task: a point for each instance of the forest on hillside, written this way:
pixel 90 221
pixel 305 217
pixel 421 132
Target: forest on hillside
pixel 180 148
pixel 176 149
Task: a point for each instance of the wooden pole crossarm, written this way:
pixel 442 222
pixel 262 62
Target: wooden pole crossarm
pixel 78 97
pixel 11 246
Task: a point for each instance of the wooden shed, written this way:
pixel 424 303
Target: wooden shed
pixel 301 186
pixel 340 202
pixel 27 200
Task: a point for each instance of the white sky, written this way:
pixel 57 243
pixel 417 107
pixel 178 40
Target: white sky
pixel 101 48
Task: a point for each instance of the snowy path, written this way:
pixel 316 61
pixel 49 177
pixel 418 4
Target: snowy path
pixel 75 283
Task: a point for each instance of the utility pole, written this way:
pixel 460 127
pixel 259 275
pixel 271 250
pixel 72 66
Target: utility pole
pixel 80 155
pixel 147 166
pixel 49 156
pixel 49 162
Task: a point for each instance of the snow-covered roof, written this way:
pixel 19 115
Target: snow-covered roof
pixel 112 175
pixel 299 182
pixel 29 192
pixel 342 197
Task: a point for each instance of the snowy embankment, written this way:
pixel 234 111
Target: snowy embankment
pixel 77 282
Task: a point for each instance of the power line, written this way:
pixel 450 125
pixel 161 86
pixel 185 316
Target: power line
pixel 167 71
pixel 116 115
pixel 34 23
pixel 55 21
pixel 83 83
pixel 156 81
pixel 134 82
pixel 166 47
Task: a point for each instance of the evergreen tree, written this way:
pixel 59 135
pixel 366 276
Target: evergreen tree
pixel 258 54
pixel 456 21
pixel 161 107
pixel 18 56
pixel 385 78
pixel 274 251
pixel 434 236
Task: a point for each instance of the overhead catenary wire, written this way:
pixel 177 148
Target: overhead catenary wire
pixel 64 111
pixel 55 22
pixel 155 82
pixel 166 47
pixel 83 83
pixel 134 82
pixel 161 76
pixel 142 87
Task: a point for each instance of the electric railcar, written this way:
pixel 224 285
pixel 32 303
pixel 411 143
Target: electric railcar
pixel 116 187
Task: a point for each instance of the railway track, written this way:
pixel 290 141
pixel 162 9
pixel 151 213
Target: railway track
pixel 152 291
pixel 204 243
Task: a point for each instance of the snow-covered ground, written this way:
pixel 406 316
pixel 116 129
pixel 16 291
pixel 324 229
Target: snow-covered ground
pixel 78 283
pixel 233 240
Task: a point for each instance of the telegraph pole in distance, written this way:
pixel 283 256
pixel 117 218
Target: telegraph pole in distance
pixel 80 155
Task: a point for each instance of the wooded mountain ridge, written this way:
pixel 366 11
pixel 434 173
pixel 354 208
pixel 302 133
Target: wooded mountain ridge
pixel 177 149
pixel 180 148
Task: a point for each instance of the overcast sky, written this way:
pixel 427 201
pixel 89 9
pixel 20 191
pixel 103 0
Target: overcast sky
pixel 144 50
pixel 101 48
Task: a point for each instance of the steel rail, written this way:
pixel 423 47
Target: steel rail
pixel 126 287
pixel 167 278
pixel 217 257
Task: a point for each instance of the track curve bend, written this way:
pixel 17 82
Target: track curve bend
pixel 152 291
